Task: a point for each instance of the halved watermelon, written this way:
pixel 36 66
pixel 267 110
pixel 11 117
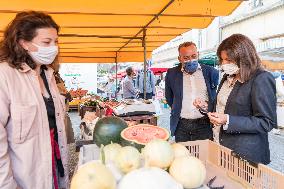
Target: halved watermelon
pixel 139 135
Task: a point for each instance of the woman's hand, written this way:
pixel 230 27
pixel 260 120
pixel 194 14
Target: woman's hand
pixel 199 103
pixel 217 119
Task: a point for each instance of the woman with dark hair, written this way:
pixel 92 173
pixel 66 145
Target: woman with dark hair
pixel 245 108
pixel 33 151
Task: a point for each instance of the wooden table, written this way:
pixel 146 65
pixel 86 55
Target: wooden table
pixel 83 109
pixel 141 119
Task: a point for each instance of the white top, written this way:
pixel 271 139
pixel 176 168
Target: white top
pixel 223 96
pixel 222 99
pixel 194 86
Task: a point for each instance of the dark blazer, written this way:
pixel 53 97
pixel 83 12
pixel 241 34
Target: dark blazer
pixel 174 90
pixel 251 107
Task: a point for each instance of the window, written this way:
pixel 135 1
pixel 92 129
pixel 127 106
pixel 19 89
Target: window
pixel 257 3
pixel 200 39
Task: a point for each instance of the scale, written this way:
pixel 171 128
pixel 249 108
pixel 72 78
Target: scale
pixel 134 108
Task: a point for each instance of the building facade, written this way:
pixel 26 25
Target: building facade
pixel 260 20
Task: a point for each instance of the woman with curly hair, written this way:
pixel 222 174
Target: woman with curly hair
pixel 33 151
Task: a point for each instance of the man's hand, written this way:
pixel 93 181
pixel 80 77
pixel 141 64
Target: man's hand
pixel 199 103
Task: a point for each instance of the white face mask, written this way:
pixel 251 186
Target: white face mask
pixel 44 55
pixel 230 68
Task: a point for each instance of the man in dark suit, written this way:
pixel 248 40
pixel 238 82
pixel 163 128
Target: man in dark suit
pixel 185 83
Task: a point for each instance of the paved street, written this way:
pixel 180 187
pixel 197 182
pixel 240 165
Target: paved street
pixel 276 141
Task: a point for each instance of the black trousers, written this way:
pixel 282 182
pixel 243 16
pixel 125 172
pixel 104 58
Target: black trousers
pixel 193 129
pixel 148 95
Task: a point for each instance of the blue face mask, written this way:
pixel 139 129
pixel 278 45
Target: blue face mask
pixel 190 66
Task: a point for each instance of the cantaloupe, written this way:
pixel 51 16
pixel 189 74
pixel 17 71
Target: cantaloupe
pixel 158 153
pixel 128 159
pixel 93 175
pixel 180 150
pixel 189 171
pixel 110 152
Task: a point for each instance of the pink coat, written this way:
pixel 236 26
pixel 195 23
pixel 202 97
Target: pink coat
pixel 25 149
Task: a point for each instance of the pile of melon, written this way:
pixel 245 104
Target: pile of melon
pixel 138 157
pixel 159 165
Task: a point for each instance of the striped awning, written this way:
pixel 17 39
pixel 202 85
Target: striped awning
pixel 107 31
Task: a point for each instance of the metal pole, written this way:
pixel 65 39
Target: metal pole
pixel 220 31
pixel 116 75
pixel 145 62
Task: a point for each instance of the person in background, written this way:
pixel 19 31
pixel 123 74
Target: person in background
pixel 110 88
pixel 150 83
pixel 119 91
pixel 158 81
pixel 184 83
pixel 129 91
pixel 33 152
pixel 245 108
pixel 162 83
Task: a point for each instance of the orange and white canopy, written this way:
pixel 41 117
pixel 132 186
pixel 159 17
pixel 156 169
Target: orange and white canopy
pixel 107 31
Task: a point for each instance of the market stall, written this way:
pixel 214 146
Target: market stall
pixel 87 106
pixel 158 71
pixel 132 111
pixel 217 167
pixel 77 98
pixel 121 31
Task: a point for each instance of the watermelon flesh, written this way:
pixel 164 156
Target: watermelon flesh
pixel 139 135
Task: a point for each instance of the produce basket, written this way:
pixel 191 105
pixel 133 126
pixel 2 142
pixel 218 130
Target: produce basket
pixel 230 171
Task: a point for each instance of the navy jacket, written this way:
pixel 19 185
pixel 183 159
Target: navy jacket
pixel 174 90
pixel 252 110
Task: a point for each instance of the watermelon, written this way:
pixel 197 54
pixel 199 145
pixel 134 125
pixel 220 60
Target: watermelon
pixel 108 130
pixel 139 135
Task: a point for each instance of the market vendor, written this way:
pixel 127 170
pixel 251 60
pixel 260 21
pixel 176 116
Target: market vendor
pixel 110 88
pixel 129 91
pixel 33 152
pixel 245 108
